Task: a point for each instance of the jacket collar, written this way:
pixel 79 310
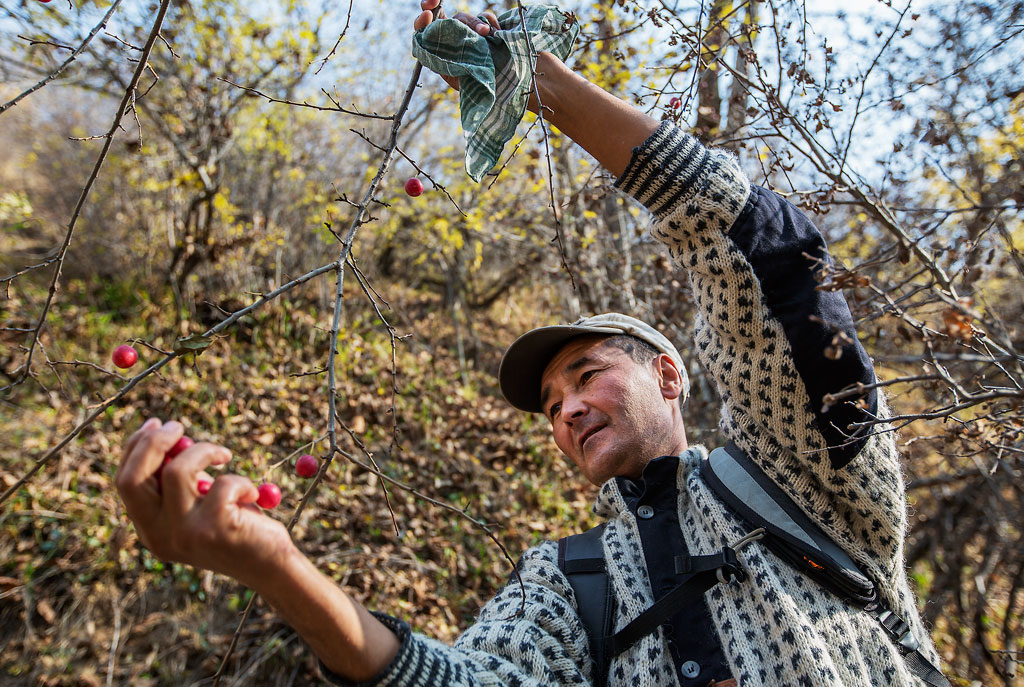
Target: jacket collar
pixel 610 502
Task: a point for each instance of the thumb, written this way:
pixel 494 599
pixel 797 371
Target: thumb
pixel 231 490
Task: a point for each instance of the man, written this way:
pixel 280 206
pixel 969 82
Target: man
pixel 611 387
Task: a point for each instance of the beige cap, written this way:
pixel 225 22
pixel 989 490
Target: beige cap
pixel 525 360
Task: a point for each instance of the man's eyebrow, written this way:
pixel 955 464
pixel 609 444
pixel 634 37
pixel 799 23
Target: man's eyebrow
pixel 571 367
pixel 577 364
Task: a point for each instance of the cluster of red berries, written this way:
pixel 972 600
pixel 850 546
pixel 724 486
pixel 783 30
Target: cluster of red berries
pixel 269 493
pixel 125 356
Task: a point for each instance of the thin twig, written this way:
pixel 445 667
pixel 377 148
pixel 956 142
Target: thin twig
pixel 555 210
pixel 383 484
pixel 336 108
pixel 52 75
pixel 114 642
pixel 122 108
pixel 367 289
pixel 6 281
pixel 449 507
pixel 348 19
pixel 98 410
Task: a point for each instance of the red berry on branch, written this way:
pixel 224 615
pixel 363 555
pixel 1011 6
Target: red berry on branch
pixel 124 356
pixel 179 446
pixel 203 486
pixel 306 466
pixel 414 187
pixel 675 103
pixel 270 495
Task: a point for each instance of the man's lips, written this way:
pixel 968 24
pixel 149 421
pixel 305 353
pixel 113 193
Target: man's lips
pixel 589 433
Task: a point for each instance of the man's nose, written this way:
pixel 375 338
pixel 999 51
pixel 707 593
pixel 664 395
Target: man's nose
pixel 573 408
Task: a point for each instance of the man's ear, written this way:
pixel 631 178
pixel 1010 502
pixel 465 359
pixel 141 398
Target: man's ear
pixel 669 379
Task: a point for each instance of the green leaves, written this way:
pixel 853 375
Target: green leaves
pixel 195 344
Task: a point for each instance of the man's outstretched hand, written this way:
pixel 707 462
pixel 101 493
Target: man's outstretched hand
pixel 222 530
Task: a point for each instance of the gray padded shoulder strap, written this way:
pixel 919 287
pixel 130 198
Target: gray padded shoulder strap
pixel 742 485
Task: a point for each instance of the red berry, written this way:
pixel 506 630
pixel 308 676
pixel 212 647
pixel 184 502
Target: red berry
pixel 414 187
pixel 306 466
pixel 124 356
pixel 203 486
pixel 675 103
pixel 270 495
pixel 179 446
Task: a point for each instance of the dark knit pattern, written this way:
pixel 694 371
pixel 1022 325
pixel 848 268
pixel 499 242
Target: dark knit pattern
pixel 778 627
pixel 767 412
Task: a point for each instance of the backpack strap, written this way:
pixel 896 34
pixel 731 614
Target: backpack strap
pixel 581 560
pixel 741 484
pixel 700 573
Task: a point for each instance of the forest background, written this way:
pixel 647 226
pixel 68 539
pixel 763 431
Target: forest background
pixel 221 185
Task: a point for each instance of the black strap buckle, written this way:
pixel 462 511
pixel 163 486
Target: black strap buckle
pixel 899 630
pixel 730 571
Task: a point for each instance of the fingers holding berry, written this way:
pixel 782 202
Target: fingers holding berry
pixel 142 458
pixel 181 475
pixel 183 514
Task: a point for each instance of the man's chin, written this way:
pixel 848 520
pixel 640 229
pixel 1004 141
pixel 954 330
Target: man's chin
pixel 601 467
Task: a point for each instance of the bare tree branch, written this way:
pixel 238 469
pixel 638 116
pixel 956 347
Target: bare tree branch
pixel 74 55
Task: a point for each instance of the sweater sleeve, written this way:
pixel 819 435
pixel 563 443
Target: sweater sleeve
pixel 513 643
pixel 754 255
pixel 773 341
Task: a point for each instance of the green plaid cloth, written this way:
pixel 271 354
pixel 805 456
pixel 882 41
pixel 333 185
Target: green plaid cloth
pixel 494 72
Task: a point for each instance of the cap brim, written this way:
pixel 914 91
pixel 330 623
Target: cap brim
pixel 525 360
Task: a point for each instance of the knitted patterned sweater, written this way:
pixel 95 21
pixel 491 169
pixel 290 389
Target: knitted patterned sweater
pixel 778 627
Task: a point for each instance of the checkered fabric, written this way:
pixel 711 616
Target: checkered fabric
pixel 495 72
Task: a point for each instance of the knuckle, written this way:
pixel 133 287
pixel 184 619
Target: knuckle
pixel 203 448
pixel 147 444
pixel 172 472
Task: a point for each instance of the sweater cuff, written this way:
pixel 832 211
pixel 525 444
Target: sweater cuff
pixel 406 656
pixel 671 169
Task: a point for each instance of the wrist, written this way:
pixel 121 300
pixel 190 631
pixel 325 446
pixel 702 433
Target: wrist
pixel 272 568
pixel 277 569
pixel 349 640
pixel 551 74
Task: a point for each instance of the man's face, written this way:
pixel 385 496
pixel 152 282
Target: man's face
pixel 608 413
